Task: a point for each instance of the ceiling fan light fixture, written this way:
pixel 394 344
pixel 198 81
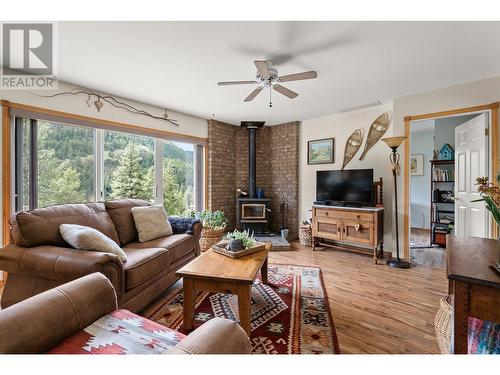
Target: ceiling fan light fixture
pixel 267 76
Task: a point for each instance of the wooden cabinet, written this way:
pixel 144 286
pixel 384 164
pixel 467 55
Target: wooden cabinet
pixel 474 284
pixel 357 229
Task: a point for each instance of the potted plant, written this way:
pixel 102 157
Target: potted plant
pixel 214 223
pixel 490 194
pixel 239 240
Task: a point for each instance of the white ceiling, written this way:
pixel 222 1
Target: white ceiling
pixel 177 64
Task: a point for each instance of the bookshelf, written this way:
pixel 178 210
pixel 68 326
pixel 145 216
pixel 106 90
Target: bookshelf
pixel 442 203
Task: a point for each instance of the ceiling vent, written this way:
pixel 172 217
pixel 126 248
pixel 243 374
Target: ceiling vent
pixel 362 106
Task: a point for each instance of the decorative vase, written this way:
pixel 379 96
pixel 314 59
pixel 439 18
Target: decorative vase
pixel 210 237
pixel 305 235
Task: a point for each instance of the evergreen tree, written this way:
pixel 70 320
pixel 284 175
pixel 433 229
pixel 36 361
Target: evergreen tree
pixel 173 195
pixel 58 181
pixel 129 179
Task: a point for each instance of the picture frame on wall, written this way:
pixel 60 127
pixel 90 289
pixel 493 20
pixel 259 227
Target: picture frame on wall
pixel 321 151
pixel 417 165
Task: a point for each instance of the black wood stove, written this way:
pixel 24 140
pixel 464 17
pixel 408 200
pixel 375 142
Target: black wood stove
pixel 253 213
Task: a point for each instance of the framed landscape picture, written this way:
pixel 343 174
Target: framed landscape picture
pixel 321 151
pixel 417 165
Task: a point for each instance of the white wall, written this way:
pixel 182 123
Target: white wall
pixel 189 125
pixel 422 142
pixel 469 94
pixel 340 127
pixel 445 130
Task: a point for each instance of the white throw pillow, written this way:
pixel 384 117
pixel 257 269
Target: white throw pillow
pixel 151 222
pixel 86 238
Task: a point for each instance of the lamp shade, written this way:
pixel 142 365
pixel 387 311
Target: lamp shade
pixel 394 142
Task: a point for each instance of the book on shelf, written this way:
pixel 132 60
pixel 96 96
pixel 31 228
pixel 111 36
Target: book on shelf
pixel 443 174
pixel 447 220
pixel 442 231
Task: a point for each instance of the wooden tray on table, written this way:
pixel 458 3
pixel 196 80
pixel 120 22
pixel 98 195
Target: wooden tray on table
pixel 221 248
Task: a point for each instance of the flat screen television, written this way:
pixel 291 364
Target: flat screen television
pixel 352 187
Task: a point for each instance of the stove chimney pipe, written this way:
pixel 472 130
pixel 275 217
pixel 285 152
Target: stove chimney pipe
pixel 252 127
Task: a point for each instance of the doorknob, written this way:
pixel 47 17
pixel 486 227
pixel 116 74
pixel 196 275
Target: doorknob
pixel 454 198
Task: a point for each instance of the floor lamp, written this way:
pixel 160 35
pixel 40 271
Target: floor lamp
pixel 393 143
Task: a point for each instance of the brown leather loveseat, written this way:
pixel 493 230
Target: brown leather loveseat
pixel 81 317
pixel 39 259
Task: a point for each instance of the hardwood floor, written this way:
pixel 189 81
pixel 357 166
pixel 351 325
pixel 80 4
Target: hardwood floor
pixel 376 309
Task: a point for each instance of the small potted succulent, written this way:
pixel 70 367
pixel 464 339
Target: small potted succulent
pixel 490 194
pixel 214 224
pixel 239 240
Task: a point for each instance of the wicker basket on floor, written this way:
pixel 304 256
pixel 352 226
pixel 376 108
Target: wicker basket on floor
pixel 210 237
pixel 443 323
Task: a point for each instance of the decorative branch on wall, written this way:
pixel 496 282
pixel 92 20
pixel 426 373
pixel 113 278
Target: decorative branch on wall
pixel 100 99
pixel 352 146
pixel 377 130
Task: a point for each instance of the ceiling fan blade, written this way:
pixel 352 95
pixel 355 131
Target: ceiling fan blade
pixel 287 92
pixel 253 94
pixel 228 83
pixel 262 68
pixel 298 76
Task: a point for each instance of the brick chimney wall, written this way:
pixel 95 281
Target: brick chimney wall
pixel 277 169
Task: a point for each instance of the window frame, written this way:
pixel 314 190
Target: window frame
pixel 99 169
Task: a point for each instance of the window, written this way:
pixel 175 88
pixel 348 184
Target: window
pixel 58 163
pixel 178 178
pixel 128 166
pixel 66 164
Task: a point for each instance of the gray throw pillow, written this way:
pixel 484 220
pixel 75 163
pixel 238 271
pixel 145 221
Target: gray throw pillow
pixel 86 238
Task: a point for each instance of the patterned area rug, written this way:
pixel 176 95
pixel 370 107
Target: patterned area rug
pixel 290 316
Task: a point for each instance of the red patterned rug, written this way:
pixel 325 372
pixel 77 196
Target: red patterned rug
pixel 290 316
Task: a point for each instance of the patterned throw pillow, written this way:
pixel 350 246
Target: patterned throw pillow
pixel 86 238
pixel 151 222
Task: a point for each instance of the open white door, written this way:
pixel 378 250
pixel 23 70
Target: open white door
pixel 471 161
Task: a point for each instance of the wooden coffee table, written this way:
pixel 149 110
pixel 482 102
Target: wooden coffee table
pixel 220 274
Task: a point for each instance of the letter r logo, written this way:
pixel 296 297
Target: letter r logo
pixel 27 49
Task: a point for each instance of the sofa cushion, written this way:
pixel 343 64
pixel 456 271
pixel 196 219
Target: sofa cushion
pixel 142 264
pixel 120 332
pixel 41 225
pixel 177 244
pixel 120 211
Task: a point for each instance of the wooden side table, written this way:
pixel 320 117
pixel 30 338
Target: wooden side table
pixel 221 274
pixel 475 286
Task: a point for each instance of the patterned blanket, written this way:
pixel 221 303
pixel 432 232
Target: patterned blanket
pixel 120 332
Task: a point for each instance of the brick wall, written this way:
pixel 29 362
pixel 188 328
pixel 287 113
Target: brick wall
pixel 277 168
pixel 284 174
pixel 222 169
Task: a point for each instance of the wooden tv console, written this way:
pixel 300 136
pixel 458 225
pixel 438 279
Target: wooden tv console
pixel 359 229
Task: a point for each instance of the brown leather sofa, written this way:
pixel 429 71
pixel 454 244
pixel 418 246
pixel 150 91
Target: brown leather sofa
pixel 39 259
pixel 59 315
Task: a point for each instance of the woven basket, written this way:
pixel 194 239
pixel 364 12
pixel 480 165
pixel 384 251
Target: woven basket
pixel 443 323
pixel 210 237
pixel 305 235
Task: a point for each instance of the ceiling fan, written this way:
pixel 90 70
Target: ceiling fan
pixel 267 76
